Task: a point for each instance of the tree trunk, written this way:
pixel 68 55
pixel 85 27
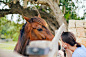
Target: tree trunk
pixel 58 13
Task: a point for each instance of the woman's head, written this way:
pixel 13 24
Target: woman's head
pixel 69 38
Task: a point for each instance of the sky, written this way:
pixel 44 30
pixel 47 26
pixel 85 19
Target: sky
pixel 79 11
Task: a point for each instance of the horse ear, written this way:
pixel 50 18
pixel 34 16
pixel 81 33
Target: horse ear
pixel 26 18
pixel 39 16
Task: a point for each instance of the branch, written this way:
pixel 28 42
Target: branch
pixel 5 3
pixel 4 12
pixel 18 9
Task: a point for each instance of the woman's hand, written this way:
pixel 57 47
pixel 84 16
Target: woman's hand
pixel 61 53
pixel 68 53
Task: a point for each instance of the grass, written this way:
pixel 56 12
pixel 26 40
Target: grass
pixel 8 45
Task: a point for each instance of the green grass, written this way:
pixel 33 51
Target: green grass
pixel 8 45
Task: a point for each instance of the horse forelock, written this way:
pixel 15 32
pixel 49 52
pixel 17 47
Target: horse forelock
pixel 39 21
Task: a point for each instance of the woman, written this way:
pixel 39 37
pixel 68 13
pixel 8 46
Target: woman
pixel 73 48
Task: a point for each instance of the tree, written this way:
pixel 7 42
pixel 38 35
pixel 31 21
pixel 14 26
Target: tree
pixel 48 9
pixel 9 29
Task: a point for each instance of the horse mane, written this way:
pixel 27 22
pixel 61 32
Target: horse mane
pixel 21 41
pixel 22 30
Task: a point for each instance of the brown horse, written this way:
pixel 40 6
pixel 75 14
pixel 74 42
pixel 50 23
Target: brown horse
pixel 34 29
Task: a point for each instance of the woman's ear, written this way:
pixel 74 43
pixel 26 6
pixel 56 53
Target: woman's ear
pixel 65 45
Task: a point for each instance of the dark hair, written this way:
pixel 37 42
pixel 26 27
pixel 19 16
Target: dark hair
pixel 69 38
pixel 22 30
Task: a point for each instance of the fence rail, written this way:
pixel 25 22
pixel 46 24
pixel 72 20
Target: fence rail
pixel 46 48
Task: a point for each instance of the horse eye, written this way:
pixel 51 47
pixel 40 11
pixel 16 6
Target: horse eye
pixel 39 29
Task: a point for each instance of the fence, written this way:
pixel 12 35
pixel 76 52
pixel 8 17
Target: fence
pixel 45 48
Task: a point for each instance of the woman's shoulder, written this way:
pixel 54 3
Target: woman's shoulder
pixel 80 51
pixel 82 48
pixel 78 55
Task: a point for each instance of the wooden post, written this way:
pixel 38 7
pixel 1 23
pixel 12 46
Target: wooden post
pixel 58 13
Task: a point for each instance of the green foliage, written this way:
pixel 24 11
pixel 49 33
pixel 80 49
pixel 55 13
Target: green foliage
pixel 43 10
pixel 9 29
pixel 69 10
pixel 67 16
pixel 61 1
pixel 15 38
pixel 38 7
pixel 6 1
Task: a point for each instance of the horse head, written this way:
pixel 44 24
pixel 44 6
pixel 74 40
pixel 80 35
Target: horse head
pixel 35 28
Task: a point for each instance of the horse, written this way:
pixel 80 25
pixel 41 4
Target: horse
pixel 35 28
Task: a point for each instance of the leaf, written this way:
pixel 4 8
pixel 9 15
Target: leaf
pixel 73 4
pixel 43 10
pixel 66 4
pixel 9 0
pixel 18 20
pixel 67 15
pixel 6 1
pixel 62 1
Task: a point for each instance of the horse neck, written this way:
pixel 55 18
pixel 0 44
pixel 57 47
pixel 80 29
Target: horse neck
pixel 21 44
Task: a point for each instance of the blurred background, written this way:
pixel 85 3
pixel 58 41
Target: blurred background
pixel 11 23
